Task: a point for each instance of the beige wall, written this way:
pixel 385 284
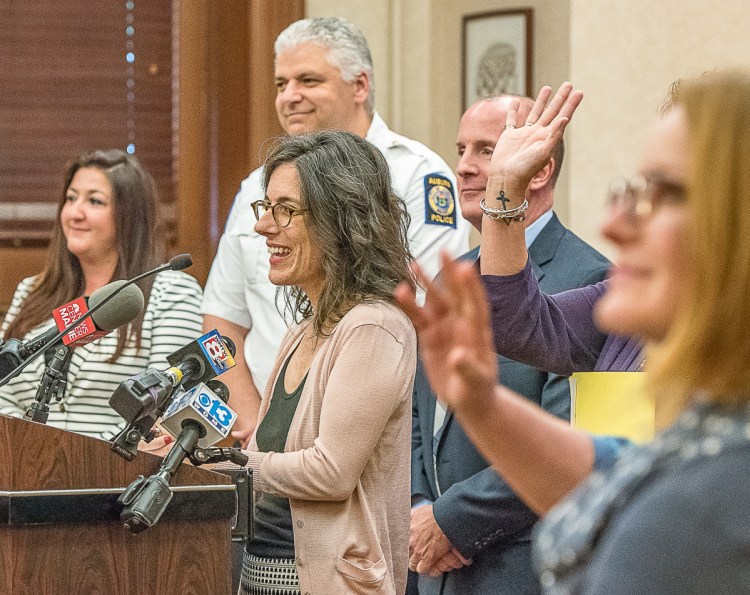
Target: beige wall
pixel 416 46
pixel 550 65
pixel 622 53
pixel 374 20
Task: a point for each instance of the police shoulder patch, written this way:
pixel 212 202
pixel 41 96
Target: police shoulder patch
pixel 439 201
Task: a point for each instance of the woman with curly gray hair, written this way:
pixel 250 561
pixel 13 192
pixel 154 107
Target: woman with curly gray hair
pixel 330 455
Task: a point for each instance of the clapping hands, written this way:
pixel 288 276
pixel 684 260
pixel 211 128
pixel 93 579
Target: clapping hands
pixel 455 336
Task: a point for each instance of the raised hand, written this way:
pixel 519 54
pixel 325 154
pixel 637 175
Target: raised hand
pixel 524 148
pixel 455 336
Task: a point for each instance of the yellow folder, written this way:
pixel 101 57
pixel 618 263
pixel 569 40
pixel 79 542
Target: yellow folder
pixel 612 404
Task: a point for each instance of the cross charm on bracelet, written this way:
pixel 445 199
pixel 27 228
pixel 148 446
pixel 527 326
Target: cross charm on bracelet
pixel 503 199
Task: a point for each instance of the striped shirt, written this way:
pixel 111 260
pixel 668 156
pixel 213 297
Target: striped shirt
pixel 171 320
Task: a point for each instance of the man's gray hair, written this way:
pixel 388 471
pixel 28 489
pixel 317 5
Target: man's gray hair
pixel 348 49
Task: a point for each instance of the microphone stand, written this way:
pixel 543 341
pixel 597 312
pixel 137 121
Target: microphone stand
pixel 52 385
pixel 176 263
pixel 154 393
pixel 217 454
pixel 126 442
pixel 146 499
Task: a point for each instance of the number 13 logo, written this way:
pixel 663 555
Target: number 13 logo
pixel 216 409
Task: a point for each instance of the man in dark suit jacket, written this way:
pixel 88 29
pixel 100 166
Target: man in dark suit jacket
pixel 469 532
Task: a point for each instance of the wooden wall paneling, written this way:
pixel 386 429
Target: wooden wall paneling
pixel 192 186
pixel 228 107
pixel 227 110
pixel 224 111
pixel 17 264
pixel 267 20
pixel 65 88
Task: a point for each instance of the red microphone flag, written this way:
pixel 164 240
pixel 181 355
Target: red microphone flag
pixel 82 333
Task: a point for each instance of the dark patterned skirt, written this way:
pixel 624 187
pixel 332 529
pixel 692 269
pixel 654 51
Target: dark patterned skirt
pixel 268 576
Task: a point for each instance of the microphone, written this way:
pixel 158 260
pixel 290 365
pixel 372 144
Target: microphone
pixel 203 359
pixel 63 316
pixel 141 399
pixel 197 362
pixel 105 316
pixel 180 262
pixel 176 263
pixel 76 324
pixel 11 364
pixel 202 406
pixel 198 419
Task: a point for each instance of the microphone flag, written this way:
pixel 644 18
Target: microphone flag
pixel 82 333
pixel 200 404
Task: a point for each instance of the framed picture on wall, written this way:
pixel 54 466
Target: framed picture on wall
pixel 497 54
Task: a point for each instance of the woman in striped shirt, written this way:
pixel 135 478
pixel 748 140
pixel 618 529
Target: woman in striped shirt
pixel 106 229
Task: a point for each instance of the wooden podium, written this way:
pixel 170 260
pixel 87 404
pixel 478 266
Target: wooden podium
pixel 60 530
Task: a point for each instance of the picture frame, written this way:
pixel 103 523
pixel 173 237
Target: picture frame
pixel 497 54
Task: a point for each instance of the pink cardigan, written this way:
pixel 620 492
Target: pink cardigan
pixel 346 464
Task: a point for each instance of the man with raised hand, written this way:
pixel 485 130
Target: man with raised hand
pixel 469 532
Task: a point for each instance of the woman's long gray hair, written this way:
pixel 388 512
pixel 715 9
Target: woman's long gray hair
pixel 353 216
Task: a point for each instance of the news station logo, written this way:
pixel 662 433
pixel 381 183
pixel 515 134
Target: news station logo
pixel 70 313
pixel 216 351
pixel 82 330
pixel 180 402
pixel 213 409
pixel 207 405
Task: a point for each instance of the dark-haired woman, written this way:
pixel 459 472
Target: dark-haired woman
pixel 105 229
pixel 331 452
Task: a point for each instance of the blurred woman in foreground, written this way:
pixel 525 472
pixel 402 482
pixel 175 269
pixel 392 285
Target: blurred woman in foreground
pixel 672 516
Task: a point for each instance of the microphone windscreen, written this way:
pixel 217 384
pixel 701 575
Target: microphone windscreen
pixel 121 309
pixel 230 345
pixel 181 261
pixel 219 388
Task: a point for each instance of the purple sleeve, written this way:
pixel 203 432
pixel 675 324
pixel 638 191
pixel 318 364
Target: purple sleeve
pixel 555 333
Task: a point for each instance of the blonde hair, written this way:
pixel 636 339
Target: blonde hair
pixel 708 346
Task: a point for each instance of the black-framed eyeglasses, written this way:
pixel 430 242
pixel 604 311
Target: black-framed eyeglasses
pixel 282 213
pixel 641 196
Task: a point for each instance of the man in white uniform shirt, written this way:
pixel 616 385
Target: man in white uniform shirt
pixel 324 80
